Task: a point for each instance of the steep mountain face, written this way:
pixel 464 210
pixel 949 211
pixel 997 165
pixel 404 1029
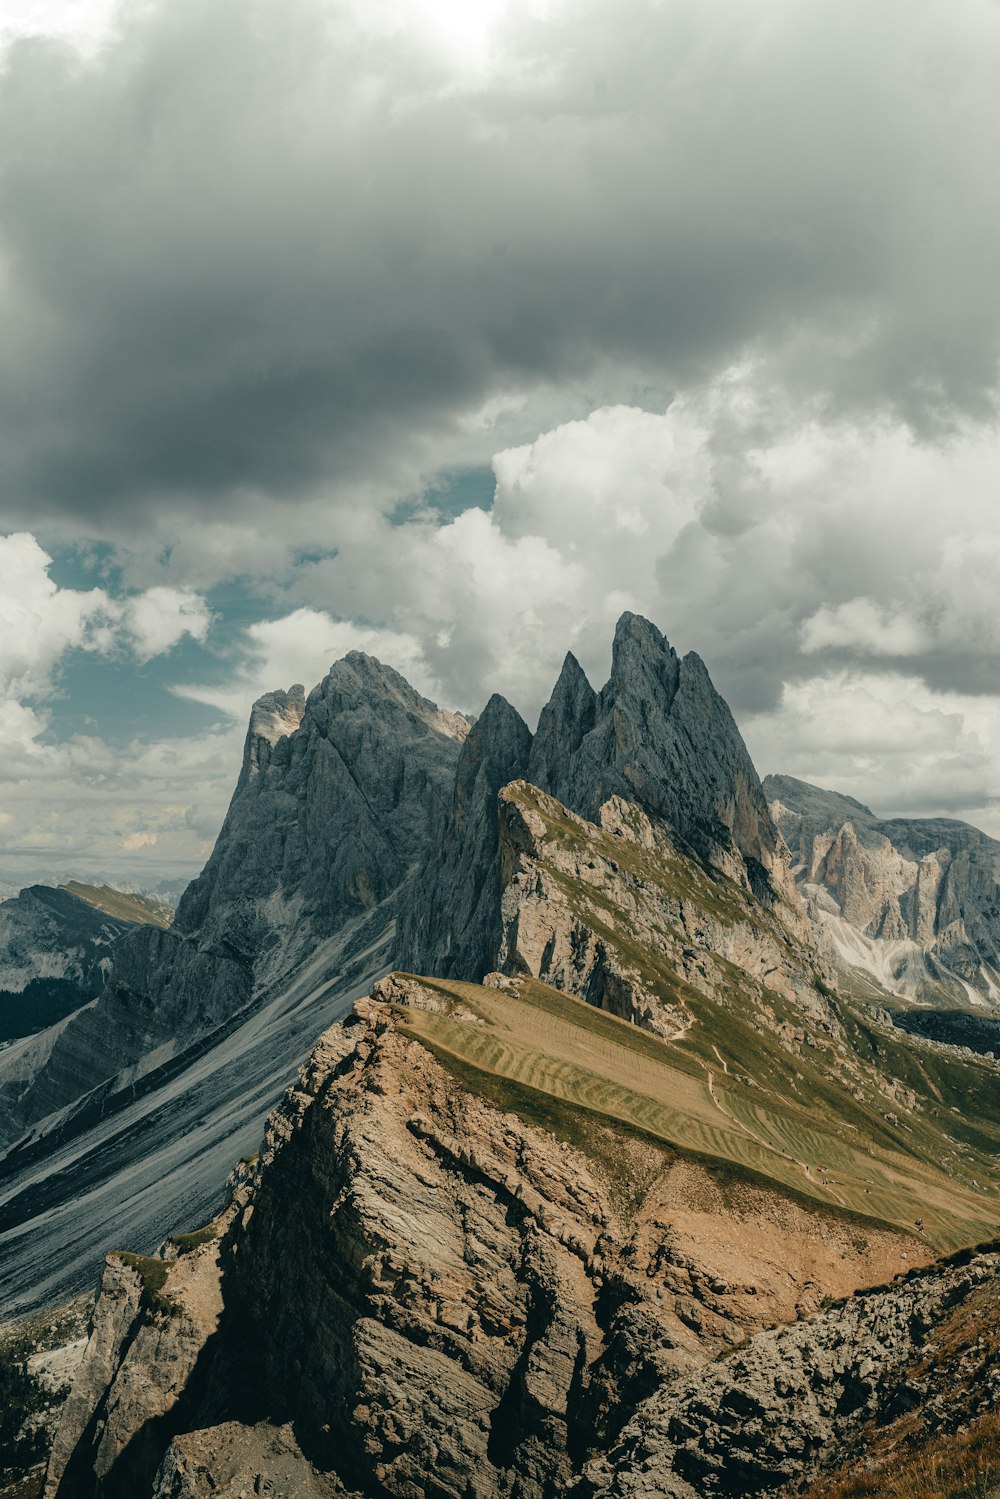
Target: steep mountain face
pixel 54 948
pixel 915 902
pixel 657 735
pixel 440 1281
pixel 199 1027
pixel 449 920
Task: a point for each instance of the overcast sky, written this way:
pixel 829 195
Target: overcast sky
pixel 449 329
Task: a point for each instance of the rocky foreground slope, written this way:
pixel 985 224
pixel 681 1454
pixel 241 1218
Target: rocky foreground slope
pixel 432 1283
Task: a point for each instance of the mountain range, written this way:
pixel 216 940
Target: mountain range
pixel 627 1061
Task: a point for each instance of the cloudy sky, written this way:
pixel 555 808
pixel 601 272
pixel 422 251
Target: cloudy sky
pixel 450 328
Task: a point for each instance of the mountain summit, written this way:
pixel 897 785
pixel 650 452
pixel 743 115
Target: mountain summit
pixel 657 734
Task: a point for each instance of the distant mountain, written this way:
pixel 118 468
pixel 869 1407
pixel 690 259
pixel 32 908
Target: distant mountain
pixel 55 949
pixel 914 902
pixel 132 907
pixel 142 1101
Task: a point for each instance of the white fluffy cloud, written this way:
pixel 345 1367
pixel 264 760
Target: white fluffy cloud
pixel 158 618
pixel 76 804
pixel 40 622
pixel 300 647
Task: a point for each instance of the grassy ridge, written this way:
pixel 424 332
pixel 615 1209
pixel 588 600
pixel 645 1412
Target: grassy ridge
pixel 144 910
pixel 536 1050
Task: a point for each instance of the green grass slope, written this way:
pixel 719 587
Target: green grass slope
pixel 144 910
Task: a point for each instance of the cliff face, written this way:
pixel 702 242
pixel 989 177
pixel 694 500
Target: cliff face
pixel 915 902
pixel 449 916
pixel 200 1027
pixel 657 735
pixel 428 1292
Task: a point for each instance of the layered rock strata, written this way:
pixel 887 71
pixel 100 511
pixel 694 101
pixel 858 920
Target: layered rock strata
pixel 418 1293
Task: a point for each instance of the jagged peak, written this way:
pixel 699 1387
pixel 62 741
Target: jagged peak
pixel 641 651
pixel 359 680
pixel 498 710
pixel 572 677
pixel 273 717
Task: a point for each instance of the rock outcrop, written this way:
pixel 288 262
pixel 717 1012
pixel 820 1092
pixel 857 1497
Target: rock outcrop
pixel 914 901
pixel 449 919
pixel 657 734
pixel 797 1400
pixel 616 912
pixel 434 1294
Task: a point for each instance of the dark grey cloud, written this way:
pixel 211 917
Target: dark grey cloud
pixel 253 248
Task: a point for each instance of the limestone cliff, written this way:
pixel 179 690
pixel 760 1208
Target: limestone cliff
pixel 915 902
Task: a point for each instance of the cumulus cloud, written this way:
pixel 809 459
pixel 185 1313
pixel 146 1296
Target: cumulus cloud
pixel 889 741
pixel 300 647
pixel 158 618
pixel 40 622
pixel 74 804
pixel 711 284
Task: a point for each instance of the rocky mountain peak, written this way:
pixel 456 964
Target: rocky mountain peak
pixel 643 662
pixel 359 684
pixel 273 717
pixel 657 734
pixel 568 716
pixel 822 808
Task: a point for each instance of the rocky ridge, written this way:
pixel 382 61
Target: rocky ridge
pixel 428 1294
pixel 656 735
pixel 914 902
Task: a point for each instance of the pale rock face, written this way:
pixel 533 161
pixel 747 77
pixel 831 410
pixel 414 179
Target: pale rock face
pixel 562 875
pixel 916 902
